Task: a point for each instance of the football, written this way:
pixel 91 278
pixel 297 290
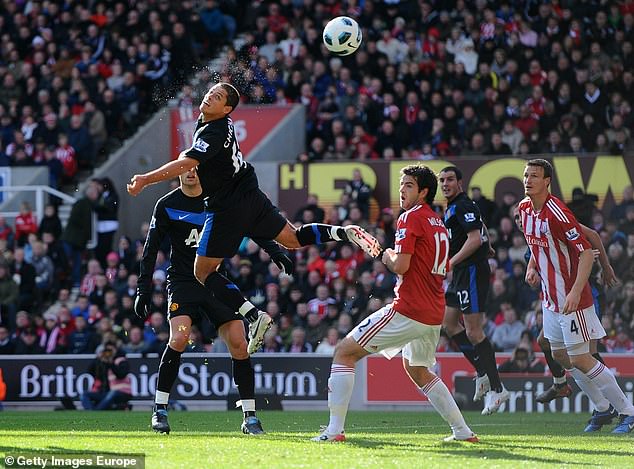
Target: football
pixel 342 35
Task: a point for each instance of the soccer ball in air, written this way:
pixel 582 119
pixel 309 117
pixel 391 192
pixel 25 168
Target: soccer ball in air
pixel 342 35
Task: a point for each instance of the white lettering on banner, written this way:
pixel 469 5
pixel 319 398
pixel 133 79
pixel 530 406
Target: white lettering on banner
pixel 293 384
pixel 195 381
pixel 187 380
pixel 523 399
pixel 65 382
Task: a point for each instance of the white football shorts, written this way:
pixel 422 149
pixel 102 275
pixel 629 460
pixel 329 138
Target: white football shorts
pixel 571 329
pixel 388 332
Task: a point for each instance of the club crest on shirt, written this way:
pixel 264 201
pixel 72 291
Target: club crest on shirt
pixel 400 234
pixel 572 234
pixel 469 217
pixel 201 145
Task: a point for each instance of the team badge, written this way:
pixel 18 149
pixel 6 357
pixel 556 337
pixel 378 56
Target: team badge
pixel 469 217
pixel 400 234
pixel 572 234
pixel 201 145
pixel 173 307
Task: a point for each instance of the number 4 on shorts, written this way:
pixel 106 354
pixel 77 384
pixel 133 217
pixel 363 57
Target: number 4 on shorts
pixel 574 329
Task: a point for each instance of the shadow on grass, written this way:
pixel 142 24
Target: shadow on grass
pixel 575 450
pixel 55 450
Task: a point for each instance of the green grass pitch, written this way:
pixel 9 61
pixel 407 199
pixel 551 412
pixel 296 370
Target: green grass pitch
pixel 374 439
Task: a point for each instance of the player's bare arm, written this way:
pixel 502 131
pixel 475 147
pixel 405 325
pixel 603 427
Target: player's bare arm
pixel 396 262
pixel 167 171
pixel 488 238
pixel 474 241
pixel 608 276
pixel 586 258
pixel 532 276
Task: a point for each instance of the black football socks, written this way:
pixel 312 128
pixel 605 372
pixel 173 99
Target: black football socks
pixel 228 293
pixel 318 233
pixel 487 357
pixel 468 350
pixel 168 371
pixel 555 368
pixel 244 376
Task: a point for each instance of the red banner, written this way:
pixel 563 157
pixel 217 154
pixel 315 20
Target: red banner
pixel 388 383
pixel 251 123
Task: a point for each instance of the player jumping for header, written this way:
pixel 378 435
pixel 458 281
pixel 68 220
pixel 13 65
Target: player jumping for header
pixel 235 207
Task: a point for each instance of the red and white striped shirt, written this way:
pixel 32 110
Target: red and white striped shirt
pixel 555 239
pixel 419 293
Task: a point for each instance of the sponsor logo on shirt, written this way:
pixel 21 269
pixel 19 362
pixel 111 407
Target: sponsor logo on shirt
pixel 572 234
pixel 400 234
pixel 201 145
pixel 469 217
pixel 533 241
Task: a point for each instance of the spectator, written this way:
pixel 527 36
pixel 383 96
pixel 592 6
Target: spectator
pixel 25 224
pixel 44 269
pixel 111 388
pixel 520 363
pixel 329 342
pixel 23 273
pixel 627 199
pixel 359 192
pixel 107 208
pixel 487 207
pixel 9 295
pixel 27 343
pixel 135 343
pixel 298 342
pixel 82 339
pixel 583 206
pixel 7 347
pixel 66 154
pixel 80 139
pixel 312 205
pixel 507 335
pixel 50 222
pixel 620 342
pixel 6 232
pixel 79 230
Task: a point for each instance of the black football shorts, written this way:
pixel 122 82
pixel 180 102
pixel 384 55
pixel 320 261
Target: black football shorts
pixel 469 288
pixel 194 300
pixel 252 214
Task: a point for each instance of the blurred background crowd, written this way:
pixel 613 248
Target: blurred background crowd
pixel 432 79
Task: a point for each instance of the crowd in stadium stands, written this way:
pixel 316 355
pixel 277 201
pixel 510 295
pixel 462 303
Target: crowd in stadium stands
pixel 76 80
pixel 432 79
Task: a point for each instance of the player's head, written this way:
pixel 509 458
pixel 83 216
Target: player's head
pixel 450 178
pixel 190 179
pixel 537 176
pixel 418 185
pixel 220 100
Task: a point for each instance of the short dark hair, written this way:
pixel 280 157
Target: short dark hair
pixel 425 178
pixel 233 97
pixel 455 170
pixel 542 163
